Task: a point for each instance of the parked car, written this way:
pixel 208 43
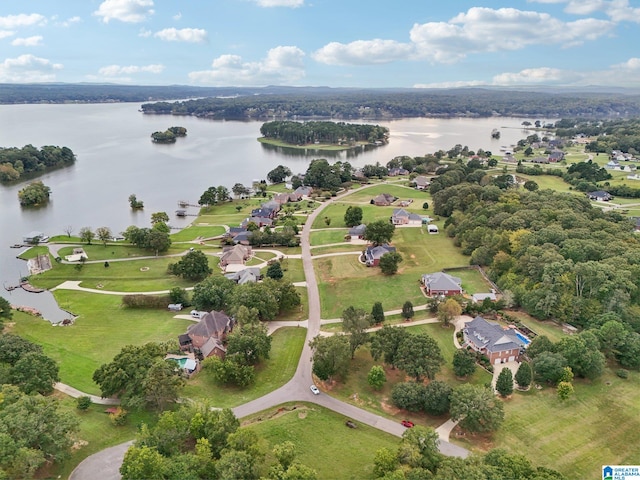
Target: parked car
pixel 407 423
pixel 314 390
pixel 197 314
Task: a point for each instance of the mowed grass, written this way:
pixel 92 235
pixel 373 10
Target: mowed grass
pixel 143 275
pixel 328 236
pixel 597 426
pixel 197 232
pixel 292 269
pixel 299 313
pixel 322 440
pixel 343 281
pixel 370 213
pixel 403 193
pixel 472 281
pixel 102 328
pixel 97 251
pixel 271 374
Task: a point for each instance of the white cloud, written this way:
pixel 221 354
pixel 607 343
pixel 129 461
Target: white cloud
pixel 144 33
pixel 458 84
pixel 177 16
pixel 129 11
pixel 631 65
pixel 115 70
pixel 279 3
pixel 27 41
pixel 28 68
pixel 68 22
pixel 191 35
pixel 539 76
pixel 487 30
pixel 22 20
pixel 616 10
pixel 363 52
pixel 282 65
pixel 6 33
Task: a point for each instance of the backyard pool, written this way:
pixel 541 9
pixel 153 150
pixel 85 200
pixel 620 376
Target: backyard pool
pixel 524 339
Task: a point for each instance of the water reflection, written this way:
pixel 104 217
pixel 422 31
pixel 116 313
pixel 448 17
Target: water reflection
pixel 306 153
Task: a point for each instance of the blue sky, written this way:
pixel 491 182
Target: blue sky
pixel 406 43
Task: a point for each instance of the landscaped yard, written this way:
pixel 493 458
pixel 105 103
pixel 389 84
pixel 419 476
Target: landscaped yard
pixel 98 334
pixel 472 281
pixel 328 236
pixel 286 347
pixel 322 440
pixel 196 232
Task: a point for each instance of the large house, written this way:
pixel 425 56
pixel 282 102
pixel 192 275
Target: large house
pixel 401 217
pixel 236 255
pixel 422 182
pixel 440 283
pixel 600 195
pixel 383 200
pixel 501 345
pixel 357 232
pixel 372 255
pixel 208 334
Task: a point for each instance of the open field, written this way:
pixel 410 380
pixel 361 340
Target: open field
pixel 292 269
pixel 97 251
pixel 322 440
pixel 102 328
pixel 472 281
pixel 370 212
pixel 400 191
pixel 286 347
pixel 144 275
pixel 597 426
pixel 328 236
pixel 195 232
pixel 343 281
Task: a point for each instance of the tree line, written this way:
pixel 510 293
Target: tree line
pixel 15 163
pixel 303 133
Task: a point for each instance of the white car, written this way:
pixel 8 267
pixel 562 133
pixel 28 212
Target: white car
pixel 314 390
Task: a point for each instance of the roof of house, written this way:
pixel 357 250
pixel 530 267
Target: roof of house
pixel 248 275
pixel 401 212
pixel 237 253
pixel 422 180
pixel 242 237
pixel 491 336
pixel 599 194
pixel 211 324
pixel 303 190
pixel 479 297
pixel 384 198
pixel 184 339
pixel 210 345
pixel 357 230
pixel 441 281
pixel 378 251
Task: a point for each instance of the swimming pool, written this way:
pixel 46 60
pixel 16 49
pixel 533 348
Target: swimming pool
pixel 524 339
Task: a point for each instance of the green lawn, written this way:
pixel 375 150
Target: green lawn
pixel 197 232
pixel 552 330
pixel 597 426
pixel 343 281
pixel 97 251
pixel 370 213
pixel 286 347
pixel 328 236
pixel 322 440
pixel 403 193
pixel 300 313
pixel 102 328
pixel 292 269
pixel 142 275
pixel 472 281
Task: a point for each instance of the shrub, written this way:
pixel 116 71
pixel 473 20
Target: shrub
pixel 145 301
pixel 83 403
pixel 622 373
pixel 119 417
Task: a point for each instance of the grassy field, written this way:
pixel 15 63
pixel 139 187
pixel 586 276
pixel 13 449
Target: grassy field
pixel 102 328
pixel 292 269
pixel 300 313
pixel 143 275
pixel 328 236
pixel 597 426
pixel 472 281
pixel 197 232
pixel 286 347
pixel 370 213
pixel 100 252
pixel 322 440
pixel 344 281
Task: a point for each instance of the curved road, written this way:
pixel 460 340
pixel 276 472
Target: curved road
pixel 297 389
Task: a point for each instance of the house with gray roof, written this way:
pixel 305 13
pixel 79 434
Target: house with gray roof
pixel 600 195
pixel 248 275
pixel 440 283
pixel 213 346
pixel 372 255
pixel 402 217
pixel 500 344
pixel 357 232
pixel 213 324
pixel 422 182
pixel 383 200
pixel 236 255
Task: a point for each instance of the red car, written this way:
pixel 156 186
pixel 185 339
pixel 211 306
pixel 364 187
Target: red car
pixel 406 423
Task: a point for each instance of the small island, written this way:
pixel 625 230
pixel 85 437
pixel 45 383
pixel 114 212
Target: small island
pixel 323 135
pixel 28 160
pixel 34 194
pixel 169 135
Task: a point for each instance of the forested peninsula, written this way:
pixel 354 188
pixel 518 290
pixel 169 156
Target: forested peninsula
pixel 16 163
pixel 334 134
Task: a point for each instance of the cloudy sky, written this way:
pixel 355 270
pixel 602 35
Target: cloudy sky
pixel 347 43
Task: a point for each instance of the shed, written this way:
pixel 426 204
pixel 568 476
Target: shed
pixel 432 228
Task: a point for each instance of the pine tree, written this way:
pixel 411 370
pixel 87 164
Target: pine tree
pixel 524 375
pixel 377 313
pixel 504 384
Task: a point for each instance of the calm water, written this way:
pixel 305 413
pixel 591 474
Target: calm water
pixel 116 158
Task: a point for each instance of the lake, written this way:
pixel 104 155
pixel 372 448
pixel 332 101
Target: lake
pixel 116 158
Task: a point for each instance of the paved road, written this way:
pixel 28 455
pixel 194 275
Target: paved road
pixel 297 389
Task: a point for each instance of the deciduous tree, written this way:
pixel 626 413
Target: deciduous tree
pixel 504 383
pixel 35 372
pixel 355 322
pixel 464 362
pixel 379 232
pixel 353 216
pixel 386 342
pixel 331 356
pixel 278 174
pixel 86 235
pixel 437 398
pixel 377 314
pixel 376 377
pixel 448 311
pixel 407 310
pixel 193 266
pixel 389 263
pixel 419 356
pixel 524 375
pixel 476 408
pixel 104 235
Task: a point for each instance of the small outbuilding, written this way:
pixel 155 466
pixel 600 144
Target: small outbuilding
pixel 431 228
